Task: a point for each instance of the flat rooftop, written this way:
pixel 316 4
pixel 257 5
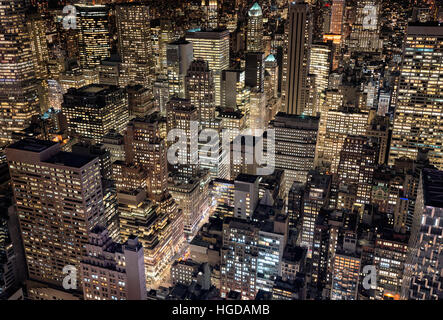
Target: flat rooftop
pixel 70 159
pixel 33 145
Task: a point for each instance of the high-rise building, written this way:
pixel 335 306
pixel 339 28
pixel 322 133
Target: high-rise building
pixel 19 93
pixel 365 34
pixel 95 109
pixel 254 36
pixel 59 200
pixel 316 197
pixel 335 126
pixel 183 116
pixel 234 93
pixel 358 159
pixel 111 271
pixel 211 11
pixel 134 37
pixel 390 252
pixel 160 231
pixel 296 61
pixel 145 147
pixel 213 47
pixel 295 142
pixel 255 70
pixel 417 120
pixel 271 77
pixel 345 276
pixel 93 34
pixel 179 56
pixel 337 17
pixel 320 66
pixel 422 277
pixel 200 90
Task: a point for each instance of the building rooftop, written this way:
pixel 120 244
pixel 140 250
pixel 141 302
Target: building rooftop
pixel 33 145
pixel 70 159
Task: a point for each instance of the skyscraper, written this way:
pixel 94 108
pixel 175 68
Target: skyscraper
pixel 93 110
pixel 179 56
pixel 135 48
pixel 213 47
pixel 365 34
pixel 417 120
pixel 111 271
pixel 295 142
pixel 93 36
pixel 18 95
pixel 254 36
pixel 59 200
pixel 200 90
pixel 296 61
pixel 422 278
pixel 145 147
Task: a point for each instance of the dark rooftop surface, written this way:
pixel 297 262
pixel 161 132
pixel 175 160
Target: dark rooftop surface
pixel 33 145
pixel 70 159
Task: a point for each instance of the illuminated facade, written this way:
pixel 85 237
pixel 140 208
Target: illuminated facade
pixel 345 276
pixel 213 47
pixel 93 110
pixel 417 120
pixel 68 203
pixel 159 231
pixel 93 39
pixel 200 90
pixel 254 36
pixel 111 271
pixel 135 43
pixel 296 61
pixel 19 96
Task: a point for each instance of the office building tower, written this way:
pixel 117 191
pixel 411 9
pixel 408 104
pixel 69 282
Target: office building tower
pixel 145 147
pixel 110 71
pixel 422 276
pixel 358 159
pixel 419 102
pixel 192 198
pixel 210 8
pixel 200 90
pixel 159 228
pixel 271 77
pixel 161 94
pixel 95 109
pixel 19 92
pixel 320 66
pixel 255 70
pixel 213 47
pixel 337 17
pixel 335 126
pixel 112 271
pixel 257 120
pixel 254 35
pixel 234 93
pixel 316 196
pixel 39 46
pixel 365 34
pixel 245 195
pixel 295 142
pixel 134 39
pixel 239 239
pixel 390 252
pixel 67 203
pixel 93 34
pixel 345 276
pixel 140 101
pixel 296 60
pixel 115 144
pixel 182 115
pixel 179 56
